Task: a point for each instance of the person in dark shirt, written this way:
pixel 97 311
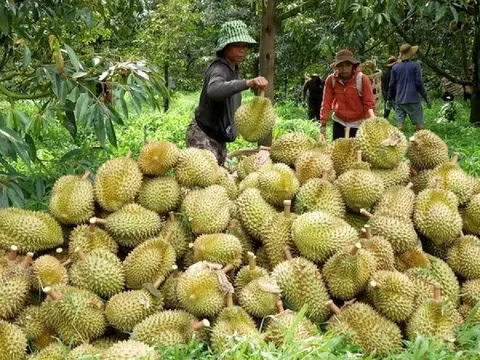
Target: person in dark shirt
pixel 392 60
pixel 406 87
pixel 213 125
pixel 314 86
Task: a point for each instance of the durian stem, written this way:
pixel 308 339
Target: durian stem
pixel 262 93
pixel 27 260
pixel 86 175
pixel 413 172
pixel 91 227
pixel 169 235
pixel 80 253
pixel 12 254
pixel 325 175
pixel 129 155
pixel 347 132
pixel 198 325
pixel 54 294
pixel 321 138
pixel 171 216
pixel 366 213
pixel 280 308
pixel 374 284
pixel 461 233
pixel 368 231
pixel 287 204
pixel 354 249
pixel 359 156
pixel 174 270
pixel 413 140
pixel 67 262
pixel 436 291
pixel 437 182
pixel 159 282
pixel 227 268
pixel 252 260
pixel 335 309
pixel 229 298
pixel 409 186
pixel 288 253
pixel 455 158
pixel 96 220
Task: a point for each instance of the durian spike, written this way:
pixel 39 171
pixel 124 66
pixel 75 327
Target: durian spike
pixel 12 254
pixel 368 231
pixel 227 268
pixel 198 325
pixel 27 260
pixel 171 216
pixel 436 292
pixel 96 220
pixel 129 155
pixel 455 158
pixel 287 205
pixel 413 140
pixel 409 185
pixel 366 213
pixel 288 253
pixel 325 175
pixel 347 132
pixel 86 175
pixel 280 308
pixel 252 260
pixel 80 253
pixel 54 294
pixel 359 156
pixel 413 172
pixel 355 248
pixel 335 309
pixel 229 299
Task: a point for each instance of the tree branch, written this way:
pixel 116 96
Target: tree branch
pixel 292 12
pixel 16 96
pixel 427 60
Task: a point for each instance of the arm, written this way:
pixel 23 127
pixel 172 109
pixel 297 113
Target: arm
pixel 219 88
pixel 419 83
pixel 328 96
pixel 392 87
pixel 305 88
pixel 367 98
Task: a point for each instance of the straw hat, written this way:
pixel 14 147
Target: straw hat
pixel 407 51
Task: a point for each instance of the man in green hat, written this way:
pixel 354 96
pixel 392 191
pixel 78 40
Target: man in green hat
pixel 213 125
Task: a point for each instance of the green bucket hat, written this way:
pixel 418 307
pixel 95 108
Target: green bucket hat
pixel 233 32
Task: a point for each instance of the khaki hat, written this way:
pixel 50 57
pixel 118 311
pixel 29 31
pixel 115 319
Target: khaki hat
pixel 392 60
pixel 407 51
pixel 233 32
pixel 344 55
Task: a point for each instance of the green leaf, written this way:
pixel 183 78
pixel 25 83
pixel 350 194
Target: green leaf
pixel 22 117
pixel 16 199
pixel 70 154
pixel 23 153
pixel 440 12
pixel 124 106
pixel 69 120
pixel 56 83
pixel 3 197
pixel 136 103
pixel 111 132
pixel 114 115
pixel 10 135
pixel 32 149
pixel 73 58
pixel 4 20
pixel 99 123
pixel 81 106
pixel 27 57
pixel 40 188
pixel 454 13
pixel 78 74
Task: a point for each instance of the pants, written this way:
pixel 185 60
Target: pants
pixel 339 131
pixel 198 139
pixel 386 110
pixel 415 111
pixel 314 111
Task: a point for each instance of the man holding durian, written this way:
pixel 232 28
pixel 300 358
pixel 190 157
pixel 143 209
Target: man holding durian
pixel 213 125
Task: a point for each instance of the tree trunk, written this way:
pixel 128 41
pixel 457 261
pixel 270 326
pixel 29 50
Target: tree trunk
pixel 267 51
pixel 475 109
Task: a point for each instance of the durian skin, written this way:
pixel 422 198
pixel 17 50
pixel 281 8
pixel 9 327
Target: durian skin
pixel 181 235
pixel 14 290
pixel 400 233
pixel 382 250
pixel 48 271
pixel 249 165
pixel 319 195
pixel 32 322
pixel 397 201
pixel 246 274
pixel 129 308
pixel 278 184
pixel 277 237
pixel 256 299
pixel 228 182
pixel 471 215
pixel 161 194
pixel 30 231
pixel 54 351
pixel 255 213
pixel 158 157
pixel 255 119
pixel 275 329
pixel 430 152
pixel 312 164
pixel 72 200
pixel 454 179
pixel 82 238
pixel 221 249
pixel 367 328
pixel 289 146
pixel 394 177
pixel 347 275
pixel 13 343
pixel 83 351
pixel 100 272
pixel 344 154
pixel 301 283
pixel 130 349
pixel 463 257
pixel 196 167
pixel 133 224
pixel 117 183
pixel 148 262
pixel 360 188
pixel 168 290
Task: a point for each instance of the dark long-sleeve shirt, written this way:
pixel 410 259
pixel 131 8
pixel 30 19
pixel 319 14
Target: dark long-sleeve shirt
pixel 406 83
pixel 220 98
pixel 386 82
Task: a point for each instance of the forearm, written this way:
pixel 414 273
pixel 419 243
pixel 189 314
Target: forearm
pixel 219 89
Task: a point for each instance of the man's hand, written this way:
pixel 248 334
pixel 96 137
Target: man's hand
pixel 323 130
pixel 257 83
pixel 429 104
pixel 371 114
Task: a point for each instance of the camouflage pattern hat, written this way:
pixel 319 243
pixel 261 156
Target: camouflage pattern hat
pixel 233 32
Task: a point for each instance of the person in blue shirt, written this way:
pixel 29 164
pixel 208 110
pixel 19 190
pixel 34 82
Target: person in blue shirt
pixel 406 87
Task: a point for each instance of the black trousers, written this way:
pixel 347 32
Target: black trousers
pixel 339 131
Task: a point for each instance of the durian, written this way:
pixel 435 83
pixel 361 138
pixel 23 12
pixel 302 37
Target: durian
pixel 158 157
pixel 161 194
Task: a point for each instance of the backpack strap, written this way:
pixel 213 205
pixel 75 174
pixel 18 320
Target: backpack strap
pixel 333 82
pixel 359 83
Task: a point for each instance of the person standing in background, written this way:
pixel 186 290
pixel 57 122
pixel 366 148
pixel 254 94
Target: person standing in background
pixel 314 86
pixel 392 60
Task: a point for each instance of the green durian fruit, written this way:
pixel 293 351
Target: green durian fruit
pixel 413 258
pixel 248 273
pixel 148 262
pixel 318 235
pixel 397 201
pixel 236 229
pixel 399 175
pixel 223 249
pixel 48 271
pixel 356 220
pixel 168 290
pixel 254 212
pixel 471 215
pixel 427 150
pixel 160 194
pixel 289 146
pixel 380 248
pixel 344 153
pixel 250 181
pixel 277 184
pixel 158 157
pixel 117 183
pixel 196 167
pixel 259 297
pixel 383 145
pixel 420 180
pixel 54 351
pixel 30 231
pixel 132 225
pixel 255 119
pixel 72 199
pixel 463 257
pixel 13 343
pixel 130 349
pixel 312 164
pixel 180 236
pixel 347 272
pixel 88 238
pixel 228 182
pixel 32 322
pixel 262 258
pixel 253 163
pixel 84 351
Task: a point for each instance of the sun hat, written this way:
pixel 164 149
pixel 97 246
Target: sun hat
pixel 344 55
pixel 407 51
pixel 392 60
pixel 233 32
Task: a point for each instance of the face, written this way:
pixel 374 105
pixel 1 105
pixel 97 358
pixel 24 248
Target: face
pixel 236 52
pixel 345 69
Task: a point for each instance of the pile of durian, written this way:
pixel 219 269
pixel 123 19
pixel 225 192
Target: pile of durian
pixel 375 236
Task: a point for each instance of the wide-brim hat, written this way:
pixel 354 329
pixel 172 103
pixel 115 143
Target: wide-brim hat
pixel 407 51
pixel 392 60
pixel 233 32
pixel 344 55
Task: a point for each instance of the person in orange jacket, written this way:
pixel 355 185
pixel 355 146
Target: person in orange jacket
pixel 348 93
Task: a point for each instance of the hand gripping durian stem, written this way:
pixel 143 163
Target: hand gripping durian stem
pixel 288 253
pixel 359 156
pixel 335 309
pixel 368 231
pixel 280 308
pixel 198 325
pixel 252 260
pixel 347 132
pixel 12 254
pixel 86 175
pixel 366 213
pixel 54 294
pixel 287 204
pixel 455 158
pixel 436 291
pixel 227 268
pixel 229 299
pixel 354 249
pixel 27 260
